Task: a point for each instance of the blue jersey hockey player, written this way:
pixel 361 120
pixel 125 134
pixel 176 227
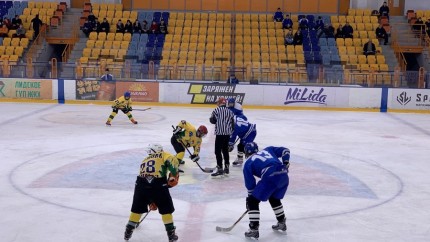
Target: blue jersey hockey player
pixel 246 132
pixel 272 186
pixel 235 107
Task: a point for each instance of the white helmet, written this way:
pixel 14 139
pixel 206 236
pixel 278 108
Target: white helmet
pixel 154 149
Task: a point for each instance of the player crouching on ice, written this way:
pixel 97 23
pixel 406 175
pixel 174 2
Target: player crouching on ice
pixel 246 132
pixel 185 135
pixel 123 103
pixel 158 172
pixel 272 186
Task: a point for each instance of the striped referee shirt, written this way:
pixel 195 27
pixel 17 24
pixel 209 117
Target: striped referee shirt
pixel 224 120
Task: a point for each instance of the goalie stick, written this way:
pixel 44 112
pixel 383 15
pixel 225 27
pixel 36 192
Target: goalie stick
pixel 221 229
pixel 206 170
pixel 137 109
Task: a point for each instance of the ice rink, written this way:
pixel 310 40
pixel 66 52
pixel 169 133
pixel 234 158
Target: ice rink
pixel 354 176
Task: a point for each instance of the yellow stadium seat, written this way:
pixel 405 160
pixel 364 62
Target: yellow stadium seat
pixel 7 41
pixel 24 42
pixel 380 59
pixel 101 36
pixel 2 49
pixel 353 59
pixel 15 42
pixel 127 37
pixel 383 67
pixel 108 44
pixel 116 44
pixel 362 59
pixel 119 36
pixel 83 60
pixel 110 36
pixel 98 44
pixel 358 43
pixel 371 59
pixel 86 52
pixel 359 12
pixel 104 52
pixel 350 50
pixel 103 6
pixel 95 53
pixel 340 42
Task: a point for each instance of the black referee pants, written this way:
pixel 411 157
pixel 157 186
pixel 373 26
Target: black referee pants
pixel 221 150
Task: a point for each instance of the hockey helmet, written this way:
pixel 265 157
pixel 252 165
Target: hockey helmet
pixel 127 95
pixel 154 149
pixel 202 131
pixel 250 149
pixel 230 102
pixel 221 101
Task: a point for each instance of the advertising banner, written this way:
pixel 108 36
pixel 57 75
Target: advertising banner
pixel 413 99
pixel 110 90
pixel 140 91
pixel 209 93
pixel 26 88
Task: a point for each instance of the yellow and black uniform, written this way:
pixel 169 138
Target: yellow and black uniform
pixel 124 104
pixel 185 134
pixel 158 172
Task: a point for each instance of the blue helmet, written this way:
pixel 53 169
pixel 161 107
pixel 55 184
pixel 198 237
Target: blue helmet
pixel 250 149
pixel 230 102
pixel 127 95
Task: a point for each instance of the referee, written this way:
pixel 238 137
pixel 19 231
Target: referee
pixel 223 118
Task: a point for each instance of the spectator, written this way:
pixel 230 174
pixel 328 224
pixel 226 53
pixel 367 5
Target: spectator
pixel 298 38
pixel 382 34
pixel 287 23
pixel 163 27
pixel 369 48
pixel 91 18
pixel 384 10
pixel 4 31
pixel 428 27
pixel 96 27
pixel 120 28
pixel 37 23
pixel 137 27
pixel 87 28
pixel 319 24
pixel 347 31
pixel 107 76
pixel 16 22
pixel 232 79
pixel 278 16
pixel 419 25
pixel 104 26
pixel 328 31
pixel 145 28
pixel 7 22
pixel 339 32
pixel 128 28
pixel 303 22
pixel 154 28
pixel 20 32
pixel 289 38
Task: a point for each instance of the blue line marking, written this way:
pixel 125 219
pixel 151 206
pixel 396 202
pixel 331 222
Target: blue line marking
pixel 61 91
pixel 384 99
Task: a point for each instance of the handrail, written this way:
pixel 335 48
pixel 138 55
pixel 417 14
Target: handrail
pixel 397 50
pixel 33 48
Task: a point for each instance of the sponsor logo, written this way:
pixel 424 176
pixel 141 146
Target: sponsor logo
pixel 403 98
pixel 305 95
pixel 209 93
pixel 1 89
pixel 138 89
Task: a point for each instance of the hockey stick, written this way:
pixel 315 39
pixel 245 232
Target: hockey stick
pixel 137 109
pixel 221 229
pixel 142 218
pixel 206 170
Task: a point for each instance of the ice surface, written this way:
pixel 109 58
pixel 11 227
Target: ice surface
pixel 354 176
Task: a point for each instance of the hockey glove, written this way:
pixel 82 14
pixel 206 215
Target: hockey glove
pixel 130 109
pixel 153 207
pixel 173 180
pixel 177 130
pixel 212 120
pixel 230 147
pixel 195 158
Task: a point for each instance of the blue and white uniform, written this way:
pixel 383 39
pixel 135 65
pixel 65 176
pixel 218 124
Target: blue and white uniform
pixel 273 173
pixel 236 108
pixel 243 129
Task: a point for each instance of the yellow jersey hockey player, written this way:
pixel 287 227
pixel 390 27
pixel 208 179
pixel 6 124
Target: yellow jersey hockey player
pixel 186 135
pixel 158 172
pixel 124 104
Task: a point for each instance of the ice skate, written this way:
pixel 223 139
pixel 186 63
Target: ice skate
pixel 133 121
pixel 252 233
pixel 172 236
pixel 219 172
pixel 108 123
pixel 238 161
pixel 226 169
pixel 280 226
pixel 129 228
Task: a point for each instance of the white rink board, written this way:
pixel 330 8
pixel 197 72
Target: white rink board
pixel 410 99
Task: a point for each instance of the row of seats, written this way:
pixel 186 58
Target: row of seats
pixel 11 50
pixel 422 13
pixel 24 42
pixel 107 6
pixel 110 36
pixel 96 53
pixel 360 11
pixel 107 44
pixel 115 14
pixel 354 19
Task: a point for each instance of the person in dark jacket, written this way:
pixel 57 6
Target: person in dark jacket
pixel 369 48
pixel 381 33
pixel 232 79
pixel 384 10
pixel 347 31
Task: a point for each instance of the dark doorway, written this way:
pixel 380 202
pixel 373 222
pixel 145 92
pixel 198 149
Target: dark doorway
pixel 57 52
pixel 412 69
